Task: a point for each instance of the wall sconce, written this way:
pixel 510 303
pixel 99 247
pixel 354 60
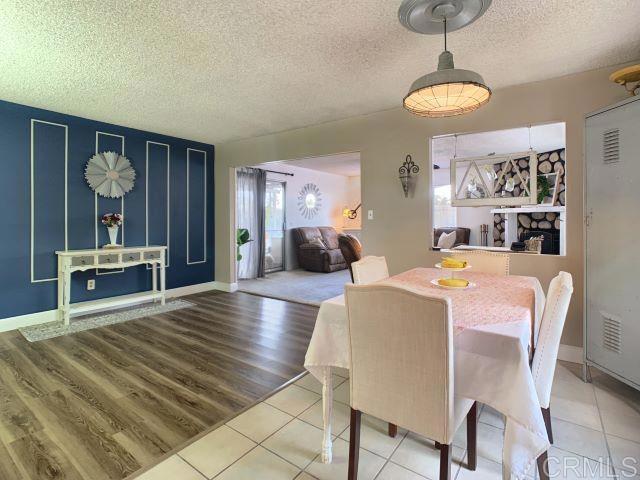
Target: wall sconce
pixel 406 171
pixel 351 214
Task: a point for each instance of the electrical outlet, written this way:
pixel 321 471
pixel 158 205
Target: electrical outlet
pixel 91 284
pixel 370 214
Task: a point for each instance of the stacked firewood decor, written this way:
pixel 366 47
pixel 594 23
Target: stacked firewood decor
pixel 548 162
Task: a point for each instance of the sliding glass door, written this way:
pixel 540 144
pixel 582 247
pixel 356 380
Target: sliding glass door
pixel 274 226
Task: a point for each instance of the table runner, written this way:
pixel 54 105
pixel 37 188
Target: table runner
pixel 495 299
pixel 491 355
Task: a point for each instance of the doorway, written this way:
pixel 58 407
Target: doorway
pixel 275 226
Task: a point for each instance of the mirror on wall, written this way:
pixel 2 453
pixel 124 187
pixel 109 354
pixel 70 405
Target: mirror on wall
pixel 498 190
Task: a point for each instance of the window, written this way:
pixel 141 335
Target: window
pixel 506 187
pixel 444 215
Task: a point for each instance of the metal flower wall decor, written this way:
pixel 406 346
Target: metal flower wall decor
pixel 407 173
pixel 110 174
pixel 309 201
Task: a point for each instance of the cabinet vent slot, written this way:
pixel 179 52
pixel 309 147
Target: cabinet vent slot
pixel 611 333
pixel 611 145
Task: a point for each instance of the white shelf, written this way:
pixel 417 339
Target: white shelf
pixel 531 209
pixel 107 304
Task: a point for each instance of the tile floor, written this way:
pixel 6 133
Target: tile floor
pixel 596 428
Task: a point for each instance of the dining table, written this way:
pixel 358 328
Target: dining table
pixel 495 321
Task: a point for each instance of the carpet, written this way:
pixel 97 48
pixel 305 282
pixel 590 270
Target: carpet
pixel 87 322
pixel 298 286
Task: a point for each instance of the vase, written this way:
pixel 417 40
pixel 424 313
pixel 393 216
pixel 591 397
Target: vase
pixel 113 235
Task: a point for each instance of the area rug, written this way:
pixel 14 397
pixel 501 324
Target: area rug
pixel 88 322
pixel 298 286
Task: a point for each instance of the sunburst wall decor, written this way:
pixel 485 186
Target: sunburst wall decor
pixel 309 200
pixel 110 174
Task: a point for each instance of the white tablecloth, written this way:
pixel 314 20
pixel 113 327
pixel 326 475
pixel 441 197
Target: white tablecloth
pixel 491 367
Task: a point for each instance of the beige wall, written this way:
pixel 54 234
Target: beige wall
pixel 400 229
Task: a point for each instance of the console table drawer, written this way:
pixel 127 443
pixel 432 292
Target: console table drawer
pixel 131 257
pixel 79 261
pixel 152 255
pixel 107 259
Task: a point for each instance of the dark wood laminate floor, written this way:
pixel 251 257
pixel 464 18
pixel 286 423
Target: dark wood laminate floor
pixel 101 404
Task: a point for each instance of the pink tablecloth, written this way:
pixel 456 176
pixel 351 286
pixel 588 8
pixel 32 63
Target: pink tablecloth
pixel 494 321
pixel 493 300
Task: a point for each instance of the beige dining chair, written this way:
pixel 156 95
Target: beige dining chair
pixel 411 385
pixel 484 261
pixel 546 354
pixel 369 269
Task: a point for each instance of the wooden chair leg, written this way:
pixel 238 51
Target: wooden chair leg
pixel 472 437
pixel 354 444
pixel 445 462
pixel 546 414
pixel 543 466
pixel 393 430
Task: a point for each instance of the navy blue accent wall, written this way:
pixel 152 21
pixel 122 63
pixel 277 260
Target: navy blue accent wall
pixel 43 155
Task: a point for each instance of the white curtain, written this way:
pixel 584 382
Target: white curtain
pixel 250 198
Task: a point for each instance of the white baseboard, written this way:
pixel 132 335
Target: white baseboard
pixel 20 321
pixel 226 287
pixel 569 353
pixel 191 289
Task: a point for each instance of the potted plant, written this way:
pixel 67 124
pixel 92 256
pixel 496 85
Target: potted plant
pixel 112 221
pixel 242 237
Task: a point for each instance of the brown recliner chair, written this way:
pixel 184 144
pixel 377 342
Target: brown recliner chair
pixel 318 249
pixel 351 249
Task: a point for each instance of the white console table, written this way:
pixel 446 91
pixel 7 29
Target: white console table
pixel 70 261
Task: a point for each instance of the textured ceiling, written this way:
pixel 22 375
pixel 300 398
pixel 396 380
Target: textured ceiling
pixel 222 70
pixel 346 164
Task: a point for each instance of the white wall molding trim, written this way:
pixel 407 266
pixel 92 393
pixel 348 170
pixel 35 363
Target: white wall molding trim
pixel 204 209
pixel 95 201
pixel 569 353
pixel 32 188
pixel 146 199
pixel 20 321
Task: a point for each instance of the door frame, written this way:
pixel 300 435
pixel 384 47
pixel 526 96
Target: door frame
pixel 284 227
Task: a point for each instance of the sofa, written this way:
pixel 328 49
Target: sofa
pixel 462 235
pixel 318 249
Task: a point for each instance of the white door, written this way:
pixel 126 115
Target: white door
pixel 612 274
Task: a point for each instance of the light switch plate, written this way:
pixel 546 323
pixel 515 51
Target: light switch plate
pixel 370 214
pixel 91 284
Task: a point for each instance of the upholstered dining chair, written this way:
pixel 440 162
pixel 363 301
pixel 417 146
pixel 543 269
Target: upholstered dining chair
pixel 369 269
pixel 411 385
pixel 351 249
pixel 546 353
pixel 484 261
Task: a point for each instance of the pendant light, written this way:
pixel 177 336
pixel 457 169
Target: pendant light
pixel 448 91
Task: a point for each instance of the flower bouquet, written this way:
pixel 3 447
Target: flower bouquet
pixel 112 221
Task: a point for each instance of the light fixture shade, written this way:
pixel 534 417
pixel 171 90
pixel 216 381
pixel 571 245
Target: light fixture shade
pixel 447 92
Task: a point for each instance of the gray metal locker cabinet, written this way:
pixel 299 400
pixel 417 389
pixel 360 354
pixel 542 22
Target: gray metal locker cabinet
pixel 612 240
